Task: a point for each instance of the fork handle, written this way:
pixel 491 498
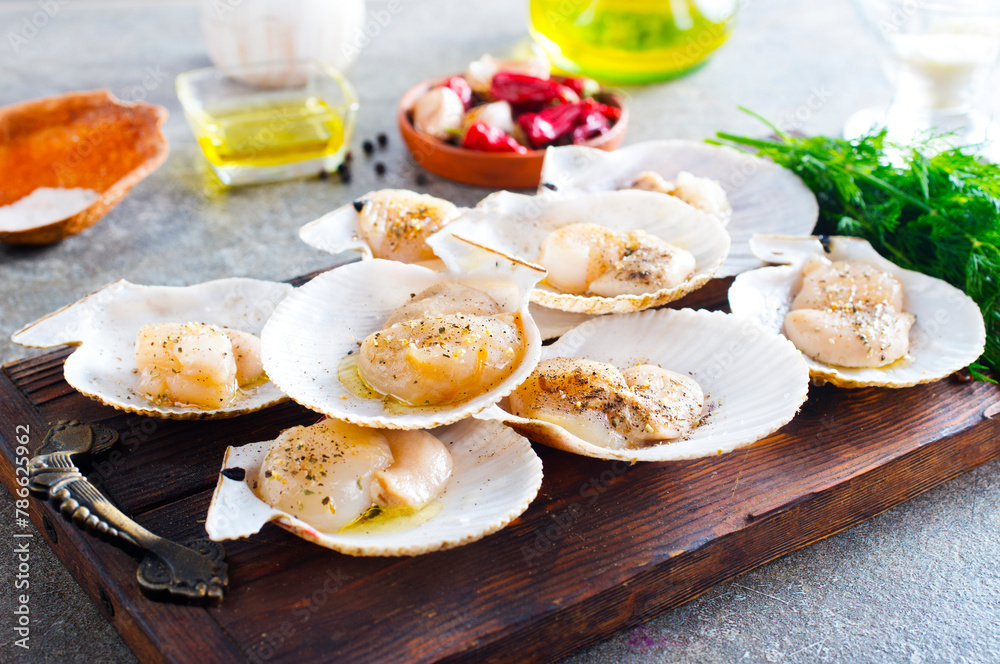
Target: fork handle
pixel 195 574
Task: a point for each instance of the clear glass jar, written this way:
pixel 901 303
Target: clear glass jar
pixel 630 41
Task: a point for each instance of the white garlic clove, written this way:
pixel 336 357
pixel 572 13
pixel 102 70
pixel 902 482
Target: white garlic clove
pixel 439 112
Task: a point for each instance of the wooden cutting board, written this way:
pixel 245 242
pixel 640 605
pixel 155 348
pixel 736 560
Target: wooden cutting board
pixel 604 546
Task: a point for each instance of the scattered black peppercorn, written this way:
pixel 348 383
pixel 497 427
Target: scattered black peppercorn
pixel 383 140
pixel 359 205
pixel 379 168
pixel 422 179
pixel 550 186
pixel 238 474
pixel 344 171
pixel 368 147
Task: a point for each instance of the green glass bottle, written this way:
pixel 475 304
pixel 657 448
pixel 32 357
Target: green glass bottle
pixel 630 41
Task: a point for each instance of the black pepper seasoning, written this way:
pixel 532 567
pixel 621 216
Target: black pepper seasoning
pixel 344 171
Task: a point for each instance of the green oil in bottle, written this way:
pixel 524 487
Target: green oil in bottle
pixel 630 41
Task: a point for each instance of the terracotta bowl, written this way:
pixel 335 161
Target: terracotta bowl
pixel 487 169
pixel 90 140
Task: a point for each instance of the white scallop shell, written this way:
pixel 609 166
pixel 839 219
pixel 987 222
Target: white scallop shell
pixel 948 334
pixel 517 224
pixel 496 475
pixel 105 324
pixel 325 320
pixel 765 197
pixel 754 381
pixel 339 231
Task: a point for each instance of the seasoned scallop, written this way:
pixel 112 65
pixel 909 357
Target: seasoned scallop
pixel 849 314
pixel 438 360
pixel 323 473
pixel 390 223
pixel 608 407
pixel 585 258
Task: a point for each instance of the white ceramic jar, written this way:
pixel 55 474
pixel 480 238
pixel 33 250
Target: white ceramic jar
pixel 245 31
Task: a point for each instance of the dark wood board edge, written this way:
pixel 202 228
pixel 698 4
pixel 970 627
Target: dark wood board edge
pixel 664 587
pixel 106 573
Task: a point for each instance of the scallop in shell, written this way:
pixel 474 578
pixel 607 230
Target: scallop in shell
pixel 311 343
pixel 405 217
pixel 948 334
pixel 105 325
pixel 764 196
pixel 754 381
pixel 495 477
pixel 518 225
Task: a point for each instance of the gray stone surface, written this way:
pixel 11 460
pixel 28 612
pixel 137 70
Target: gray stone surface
pixel 917 584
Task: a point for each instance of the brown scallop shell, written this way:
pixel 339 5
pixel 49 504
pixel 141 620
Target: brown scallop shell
pixel 81 139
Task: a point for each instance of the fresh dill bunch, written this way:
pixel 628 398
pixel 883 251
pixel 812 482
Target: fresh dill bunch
pixel 936 212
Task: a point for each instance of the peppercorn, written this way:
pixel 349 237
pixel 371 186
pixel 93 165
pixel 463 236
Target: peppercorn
pixel 344 171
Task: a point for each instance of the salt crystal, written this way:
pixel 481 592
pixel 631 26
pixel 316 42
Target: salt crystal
pixel 43 206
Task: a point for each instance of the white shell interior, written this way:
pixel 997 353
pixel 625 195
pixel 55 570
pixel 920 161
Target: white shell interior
pixel 105 324
pixel 496 476
pixel 765 197
pixel 517 224
pixel 322 322
pixel 948 334
pixel 754 381
pixel 336 231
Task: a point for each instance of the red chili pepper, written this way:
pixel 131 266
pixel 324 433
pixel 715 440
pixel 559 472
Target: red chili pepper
pixel 481 136
pixel 460 87
pixel 581 85
pixel 522 89
pixel 610 112
pixel 550 124
pixel 592 123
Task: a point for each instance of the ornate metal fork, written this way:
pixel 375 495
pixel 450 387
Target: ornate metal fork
pixel 193 573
